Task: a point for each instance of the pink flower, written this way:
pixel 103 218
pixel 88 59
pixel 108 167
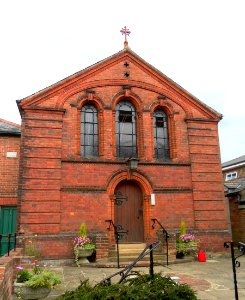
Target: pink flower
pixel 187 237
pixel 81 241
pixel 19 268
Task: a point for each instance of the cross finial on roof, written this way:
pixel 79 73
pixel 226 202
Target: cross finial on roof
pixel 126 32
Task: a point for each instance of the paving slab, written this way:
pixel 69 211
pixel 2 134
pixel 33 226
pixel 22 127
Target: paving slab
pixel 212 279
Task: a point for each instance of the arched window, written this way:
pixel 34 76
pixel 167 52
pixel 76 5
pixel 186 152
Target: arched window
pixel 89 131
pixel 126 138
pixel 161 143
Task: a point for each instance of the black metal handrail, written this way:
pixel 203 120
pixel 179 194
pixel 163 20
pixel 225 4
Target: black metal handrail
pixel 165 233
pixel 235 262
pixel 124 273
pixel 8 236
pixel 118 234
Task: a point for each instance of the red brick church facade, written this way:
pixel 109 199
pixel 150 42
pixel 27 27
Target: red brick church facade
pixel 77 137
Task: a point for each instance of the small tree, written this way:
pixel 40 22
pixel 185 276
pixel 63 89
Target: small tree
pixel 82 230
pixel 182 227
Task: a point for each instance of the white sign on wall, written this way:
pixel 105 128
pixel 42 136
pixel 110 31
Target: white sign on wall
pixel 153 200
pixel 11 154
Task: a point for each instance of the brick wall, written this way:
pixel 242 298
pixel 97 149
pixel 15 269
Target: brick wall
pixel 237 213
pixel 7 264
pixel 9 169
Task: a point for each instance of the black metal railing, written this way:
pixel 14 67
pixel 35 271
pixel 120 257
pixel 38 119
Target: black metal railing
pixel 165 234
pixel 235 262
pixel 118 234
pixel 10 239
pixel 125 272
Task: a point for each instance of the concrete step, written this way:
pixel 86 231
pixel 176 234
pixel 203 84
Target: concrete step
pixel 131 258
pixel 127 249
pixel 104 263
pixel 130 251
pixel 134 246
pixel 126 252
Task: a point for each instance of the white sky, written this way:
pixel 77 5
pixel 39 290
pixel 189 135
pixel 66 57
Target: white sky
pixel 197 43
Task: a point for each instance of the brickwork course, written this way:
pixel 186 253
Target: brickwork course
pixel 59 188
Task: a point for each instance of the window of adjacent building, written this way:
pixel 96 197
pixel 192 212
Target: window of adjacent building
pixel 230 176
pixel 126 137
pixel 89 131
pixel 161 142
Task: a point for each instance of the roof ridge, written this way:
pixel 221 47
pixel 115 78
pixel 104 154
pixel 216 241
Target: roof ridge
pixel 10 123
pixel 234 161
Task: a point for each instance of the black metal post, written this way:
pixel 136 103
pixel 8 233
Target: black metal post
pixel 9 239
pixel 166 238
pixel 15 241
pixel 117 239
pixel 234 269
pixel 151 261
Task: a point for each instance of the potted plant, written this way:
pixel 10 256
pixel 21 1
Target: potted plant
pixel 35 283
pixel 186 243
pixel 83 246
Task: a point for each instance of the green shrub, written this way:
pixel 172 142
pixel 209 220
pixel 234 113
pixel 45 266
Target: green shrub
pixel 44 278
pixel 31 250
pixel 141 287
pixel 22 275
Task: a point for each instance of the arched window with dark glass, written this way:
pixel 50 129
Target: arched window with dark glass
pixel 161 142
pixel 126 137
pixel 89 131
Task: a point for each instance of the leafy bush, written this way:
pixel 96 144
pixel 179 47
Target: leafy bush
pixel 141 287
pixel 36 277
pixel 22 274
pixel 44 278
pixel 31 249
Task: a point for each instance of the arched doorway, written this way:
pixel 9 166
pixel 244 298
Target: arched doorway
pixel 128 211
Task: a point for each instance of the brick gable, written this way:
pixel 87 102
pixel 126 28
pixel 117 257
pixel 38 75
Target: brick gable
pixel 60 189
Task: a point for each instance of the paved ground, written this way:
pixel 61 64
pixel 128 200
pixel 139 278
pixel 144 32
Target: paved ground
pixel 212 280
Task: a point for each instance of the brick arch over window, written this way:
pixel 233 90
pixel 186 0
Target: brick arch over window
pixel 132 97
pixel 90 98
pixel 167 106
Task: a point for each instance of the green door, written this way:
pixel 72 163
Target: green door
pixel 7 225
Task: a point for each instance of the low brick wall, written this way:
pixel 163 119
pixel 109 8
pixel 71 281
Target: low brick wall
pixel 7 264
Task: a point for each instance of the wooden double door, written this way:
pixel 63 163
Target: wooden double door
pixel 129 213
